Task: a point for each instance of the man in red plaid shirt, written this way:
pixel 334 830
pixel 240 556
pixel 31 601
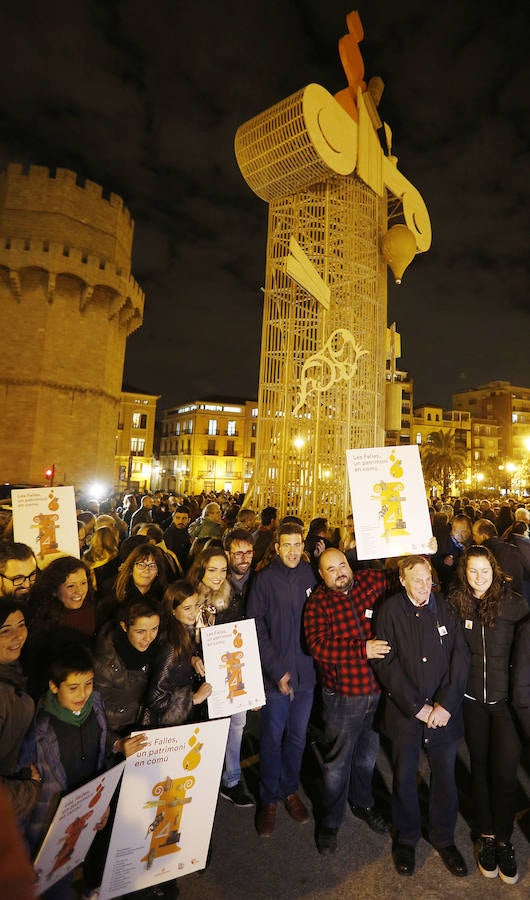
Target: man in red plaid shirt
pixel 337 624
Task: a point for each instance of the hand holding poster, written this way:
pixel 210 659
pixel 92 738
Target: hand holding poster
pixel 233 668
pixel 389 503
pixel 166 807
pixel 73 828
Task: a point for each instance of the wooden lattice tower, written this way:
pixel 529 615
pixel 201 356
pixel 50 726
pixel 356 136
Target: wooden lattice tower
pixel 318 161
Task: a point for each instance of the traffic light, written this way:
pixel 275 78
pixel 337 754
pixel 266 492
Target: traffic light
pixel 50 474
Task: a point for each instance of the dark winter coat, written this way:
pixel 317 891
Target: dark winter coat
pixel 491 649
pixel 41 747
pixel 276 601
pixel 169 699
pixel 16 714
pixel 427 663
pixel 521 676
pixel 122 690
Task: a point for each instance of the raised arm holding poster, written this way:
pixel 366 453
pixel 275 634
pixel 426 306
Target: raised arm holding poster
pixel 166 807
pixel 389 503
pixel 233 668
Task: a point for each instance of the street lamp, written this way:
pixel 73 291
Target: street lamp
pixel 510 467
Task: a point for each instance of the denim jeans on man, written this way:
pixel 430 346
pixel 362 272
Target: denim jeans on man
pixel 232 772
pixel 350 751
pixel 283 735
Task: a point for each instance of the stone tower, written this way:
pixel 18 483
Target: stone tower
pixel 67 304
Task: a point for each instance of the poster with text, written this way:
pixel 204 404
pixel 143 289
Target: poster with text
pixel 389 503
pixel 166 808
pixel 45 519
pixel 233 668
pixel 73 828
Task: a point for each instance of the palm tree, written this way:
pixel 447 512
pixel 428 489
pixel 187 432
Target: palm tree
pixel 441 459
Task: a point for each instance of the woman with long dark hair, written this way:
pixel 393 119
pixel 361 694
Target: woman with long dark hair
pixel 141 575
pixel 489 612
pixel 173 693
pixel 218 604
pixel 61 610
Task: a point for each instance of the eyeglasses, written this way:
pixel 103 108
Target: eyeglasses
pixel 18 580
pixel 143 566
pixel 243 554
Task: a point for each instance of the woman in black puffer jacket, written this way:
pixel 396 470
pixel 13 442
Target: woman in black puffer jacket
pixel 489 612
pixel 173 692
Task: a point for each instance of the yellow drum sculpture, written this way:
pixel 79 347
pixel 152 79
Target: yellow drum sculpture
pixel 324 166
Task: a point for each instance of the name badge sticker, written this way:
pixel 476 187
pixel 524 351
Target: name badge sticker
pixel 442 630
pixel 468 624
pixel 368 613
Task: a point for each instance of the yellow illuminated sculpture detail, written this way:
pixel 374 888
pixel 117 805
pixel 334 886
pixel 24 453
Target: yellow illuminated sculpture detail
pixel 324 164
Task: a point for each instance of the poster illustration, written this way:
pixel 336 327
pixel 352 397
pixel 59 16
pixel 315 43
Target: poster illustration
pixel 389 503
pixel 233 667
pixel 166 807
pixel 73 828
pixel 45 519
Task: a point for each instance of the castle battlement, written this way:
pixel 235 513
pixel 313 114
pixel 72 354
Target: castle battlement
pixel 17 255
pixel 38 202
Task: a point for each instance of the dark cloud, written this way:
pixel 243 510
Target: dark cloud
pixel 146 100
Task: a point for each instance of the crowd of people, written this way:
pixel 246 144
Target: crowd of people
pixel 419 651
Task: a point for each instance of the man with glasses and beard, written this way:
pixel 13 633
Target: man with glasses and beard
pixel 18 571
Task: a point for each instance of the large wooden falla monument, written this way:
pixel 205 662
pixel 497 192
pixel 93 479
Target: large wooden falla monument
pixel 339 211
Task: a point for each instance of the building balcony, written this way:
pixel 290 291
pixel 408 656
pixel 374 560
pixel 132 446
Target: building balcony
pixel 210 452
pixel 230 453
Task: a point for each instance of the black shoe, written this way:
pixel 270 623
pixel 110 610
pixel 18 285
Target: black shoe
pixel 404 859
pixel 453 860
pixel 373 819
pixel 507 863
pixel 327 840
pixel 238 795
pixel 486 857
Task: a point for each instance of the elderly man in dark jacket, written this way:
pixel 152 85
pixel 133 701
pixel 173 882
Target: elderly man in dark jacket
pixel 424 677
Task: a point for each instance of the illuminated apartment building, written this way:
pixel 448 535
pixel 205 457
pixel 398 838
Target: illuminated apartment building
pixel 133 458
pixel 207 445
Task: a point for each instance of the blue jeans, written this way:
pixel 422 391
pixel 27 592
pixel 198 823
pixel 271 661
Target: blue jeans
pixel 350 752
pixel 443 798
pixel 283 735
pixel 232 772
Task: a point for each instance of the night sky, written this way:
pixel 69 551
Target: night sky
pixel 145 99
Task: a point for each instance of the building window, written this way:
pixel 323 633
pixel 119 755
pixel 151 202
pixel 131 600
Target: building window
pixel 212 426
pixel 230 448
pixel 139 420
pixel 253 430
pixel 134 445
pixel 230 467
pixel 253 450
pixel 189 447
pixel 211 448
pixel 418 438
pixel 255 412
pixel 190 426
pixel 141 446
pixel 177 428
pixel 231 428
pixel 210 465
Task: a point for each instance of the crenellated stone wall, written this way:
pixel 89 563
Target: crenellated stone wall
pixel 68 302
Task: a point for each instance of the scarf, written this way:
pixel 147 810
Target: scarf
pixel 52 706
